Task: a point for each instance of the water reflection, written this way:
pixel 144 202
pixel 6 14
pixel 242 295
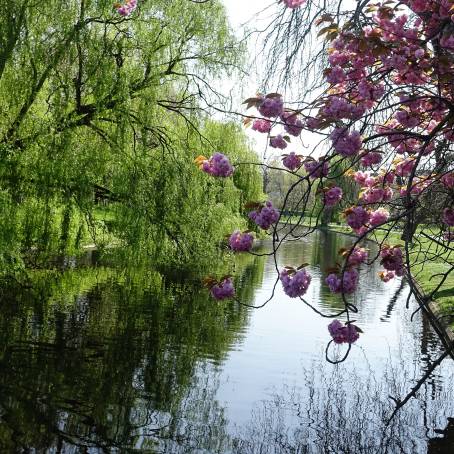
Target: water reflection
pixel 97 359
pixel 344 411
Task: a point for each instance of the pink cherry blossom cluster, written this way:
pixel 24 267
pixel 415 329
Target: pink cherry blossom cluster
pixel 240 242
pixel 374 189
pixel 401 141
pixel 295 282
pixel 346 143
pixel 357 217
pixel 332 196
pixel 448 216
pixel 448 180
pixel 343 282
pixel 388 65
pixel 313 123
pixel 292 161
pixel 365 179
pixel 271 106
pixel 392 47
pixel 338 108
pixel 361 219
pixel 127 8
pixel 223 289
pixel 343 334
pixel 218 166
pixel 376 194
pixel 405 168
pixel 371 158
pixel 378 217
pixel 261 125
pixel 392 259
pixel 292 4
pixel 278 142
pixel 356 256
pixel 386 276
pixel 346 281
pixel 316 169
pixel 292 123
pixel 265 216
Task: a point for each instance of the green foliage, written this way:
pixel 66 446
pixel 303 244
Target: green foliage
pixel 102 117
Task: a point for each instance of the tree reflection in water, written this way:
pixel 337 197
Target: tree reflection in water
pixel 342 411
pixel 444 445
pixel 100 360
pixel 108 360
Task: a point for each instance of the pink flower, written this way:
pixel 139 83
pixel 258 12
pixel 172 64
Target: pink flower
pixel 295 283
pixel 371 158
pixel 240 242
pixel 337 108
pixel 448 216
pixel 448 180
pixel 370 181
pixel 261 125
pixel 388 194
pixel 388 177
pixel 127 8
pixel 336 75
pixel 218 166
pixel 357 217
pixel 386 276
pixel 346 143
pixel 292 4
pixel 332 196
pixel 419 53
pixel 292 123
pixel 373 195
pixel 347 284
pixel 405 168
pixel 271 106
pixel 266 216
pixel 313 123
pixel 361 231
pixel 370 91
pixel 360 177
pixel 407 119
pixel 342 334
pixel 292 161
pixel 447 41
pixel 379 216
pixel 223 289
pixel 316 169
pixel 278 142
pixel 357 256
pixel 392 259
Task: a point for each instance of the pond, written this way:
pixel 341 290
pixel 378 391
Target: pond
pixel 100 359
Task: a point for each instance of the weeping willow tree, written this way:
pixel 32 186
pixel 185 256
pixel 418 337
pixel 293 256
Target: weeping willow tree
pixel 102 116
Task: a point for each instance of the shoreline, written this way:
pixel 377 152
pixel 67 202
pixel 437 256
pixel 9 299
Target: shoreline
pixel 432 309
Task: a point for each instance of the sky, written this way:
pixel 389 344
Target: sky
pixel 249 14
pixel 241 11
pixel 252 15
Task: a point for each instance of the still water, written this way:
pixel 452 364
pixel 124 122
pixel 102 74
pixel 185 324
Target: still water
pixel 97 359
